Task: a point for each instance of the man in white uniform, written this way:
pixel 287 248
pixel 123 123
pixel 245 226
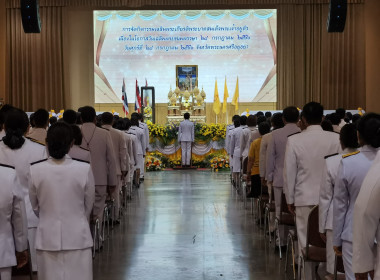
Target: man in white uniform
pixel 229 130
pixel 275 160
pixel 186 138
pixel 133 147
pixel 304 165
pixel 98 141
pixel 141 150
pixel 120 152
pixel 41 121
pixel 246 137
pixel 14 227
pixel 146 135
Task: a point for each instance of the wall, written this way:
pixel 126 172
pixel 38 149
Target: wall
pixel 3 53
pixel 372 18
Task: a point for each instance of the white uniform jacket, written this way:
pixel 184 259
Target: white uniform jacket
pixel 265 140
pixel 186 131
pixel 144 126
pixel 119 147
pixel 62 193
pixel 14 228
pixel 21 159
pixel 38 134
pixel 366 223
pixel 229 128
pixel 235 141
pixel 351 174
pixel 98 142
pixel 276 153
pixel 139 133
pixel 132 146
pixel 78 152
pixel 245 140
pixel 305 162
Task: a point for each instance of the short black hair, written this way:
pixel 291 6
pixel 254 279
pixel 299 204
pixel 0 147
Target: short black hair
pixel 341 112
pixel 31 120
pixel 77 134
pixel 3 113
pixel 134 121
pixel 58 140
pixel 348 136
pixel 334 118
pixel 53 120
pixel 243 120
pixel 237 122
pixel 277 121
pixel 369 129
pixel 120 124
pixel 252 120
pixel 349 115
pixel 268 114
pixel 259 113
pixel 313 113
pixel 356 118
pixel 291 114
pixel 264 128
pixel 127 123
pixel 326 125
pixel 87 114
pixel 70 116
pixel 261 119
pixel 135 114
pixel 107 118
pixel 41 118
pixel 186 116
pixel 235 117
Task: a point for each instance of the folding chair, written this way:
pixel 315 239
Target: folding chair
pixel 338 267
pixel 270 207
pixel 290 260
pixel 315 250
pixel 95 230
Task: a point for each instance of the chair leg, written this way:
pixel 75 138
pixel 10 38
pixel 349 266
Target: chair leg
pixel 265 224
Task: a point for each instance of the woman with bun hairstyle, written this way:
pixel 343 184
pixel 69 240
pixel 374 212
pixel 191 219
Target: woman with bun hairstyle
pixel 352 171
pixel 62 193
pixel 20 152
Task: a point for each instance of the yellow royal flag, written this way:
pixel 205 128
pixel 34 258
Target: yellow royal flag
pixel 216 106
pixel 235 99
pixel 224 110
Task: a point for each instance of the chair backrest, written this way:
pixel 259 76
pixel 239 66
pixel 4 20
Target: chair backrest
pixel 313 237
pixel 339 264
pixel 245 165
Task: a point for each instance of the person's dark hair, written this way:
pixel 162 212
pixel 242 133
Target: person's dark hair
pixel 77 134
pixel 107 118
pixel 88 114
pixel 277 121
pixel 3 114
pixel 127 123
pixel 291 114
pixel 52 120
pixel 327 125
pixel 268 114
pixel 313 113
pixel 341 112
pixel 243 120
pixel 348 116
pixel 261 119
pixel 41 118
pixel 235 117
pixel 31 120
pixel 264 128
pixel 348 136
pixel 119 124
pixel 252 121
pixel 334 118
pixel 79 119
pixel 141 116
pixel 16 124
pixel 186 116
pixel 259 113
pixel 98 120
pixel 59 139
pixel 237 122
pixel 369 129
pixel 70 116
pixel 135 115
pixel 134 121
pixel 115 120
pixel 355 118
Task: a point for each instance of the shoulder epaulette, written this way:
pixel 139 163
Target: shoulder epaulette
pixel 336 132
pixel 84 149
pixel 331 155
pixel 350 154
pixel 81 160
pixel 36 141
pixel 38 161
pixel 5 165
pixel 104 128
pixel 294 133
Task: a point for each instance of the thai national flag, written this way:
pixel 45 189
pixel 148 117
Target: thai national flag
pixel 125 99
pixel 137 98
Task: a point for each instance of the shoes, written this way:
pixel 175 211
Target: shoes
pixel 142 179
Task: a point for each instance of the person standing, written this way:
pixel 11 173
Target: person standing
pixel 76 150
pixel 133 148
pixel 120 152
pixel 275 160
pixel 14 227
pixel 303 167
pixel 17 151
pixel 41 122
pixel 352 171
pixel 349 142
pixel 146 136
pixel 141 147
pixel 246 136
pixel 62 193
pixel 98 142
pixel 186 138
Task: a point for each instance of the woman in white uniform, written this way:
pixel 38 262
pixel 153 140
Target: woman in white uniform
pixel 352 171
pixel 62 193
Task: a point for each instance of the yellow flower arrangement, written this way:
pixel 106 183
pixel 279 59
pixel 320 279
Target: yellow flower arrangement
pixel 219 163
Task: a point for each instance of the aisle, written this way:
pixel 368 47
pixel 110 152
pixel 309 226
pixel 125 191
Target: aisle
pixel 186 225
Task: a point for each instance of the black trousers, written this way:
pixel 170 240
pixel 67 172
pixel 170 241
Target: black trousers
pixel 255 186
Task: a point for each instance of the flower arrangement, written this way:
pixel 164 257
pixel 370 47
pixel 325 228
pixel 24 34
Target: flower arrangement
pixel 153 163
pixel 214 132
pixel 219 163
